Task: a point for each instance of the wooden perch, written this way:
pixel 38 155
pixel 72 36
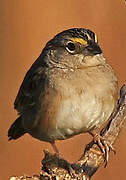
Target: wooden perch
pixel 53 167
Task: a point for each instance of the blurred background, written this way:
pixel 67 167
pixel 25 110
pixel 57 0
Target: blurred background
pixel 25 27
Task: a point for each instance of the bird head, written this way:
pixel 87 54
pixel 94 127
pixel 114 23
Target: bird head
pixel 73 48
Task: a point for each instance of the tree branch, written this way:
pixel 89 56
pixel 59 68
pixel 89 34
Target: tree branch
pixel 53 167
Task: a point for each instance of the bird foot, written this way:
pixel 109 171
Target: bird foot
pixel 104 145
pixel 54 160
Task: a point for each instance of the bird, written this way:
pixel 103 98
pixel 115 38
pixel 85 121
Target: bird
pixel 69 90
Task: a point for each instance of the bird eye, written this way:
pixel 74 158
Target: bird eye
pixel 70 47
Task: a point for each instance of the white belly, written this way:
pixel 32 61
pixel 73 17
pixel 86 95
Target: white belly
pixel 82 114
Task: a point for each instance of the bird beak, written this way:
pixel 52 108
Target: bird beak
pixel 93 48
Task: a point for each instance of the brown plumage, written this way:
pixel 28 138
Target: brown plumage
pixel 70 89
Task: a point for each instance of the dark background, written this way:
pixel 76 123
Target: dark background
pixel 25 27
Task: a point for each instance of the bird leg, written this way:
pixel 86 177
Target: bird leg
pixel 55 147
pixel 104 145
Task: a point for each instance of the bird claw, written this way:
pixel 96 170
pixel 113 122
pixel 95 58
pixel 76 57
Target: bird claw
pixel 104 145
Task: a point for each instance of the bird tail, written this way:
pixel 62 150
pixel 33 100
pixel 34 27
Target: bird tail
pixel 16 130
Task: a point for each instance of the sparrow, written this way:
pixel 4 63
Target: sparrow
pixel 70 89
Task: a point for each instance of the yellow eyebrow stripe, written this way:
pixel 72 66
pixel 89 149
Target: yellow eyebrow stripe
pixel 96 38
pixel 79 40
